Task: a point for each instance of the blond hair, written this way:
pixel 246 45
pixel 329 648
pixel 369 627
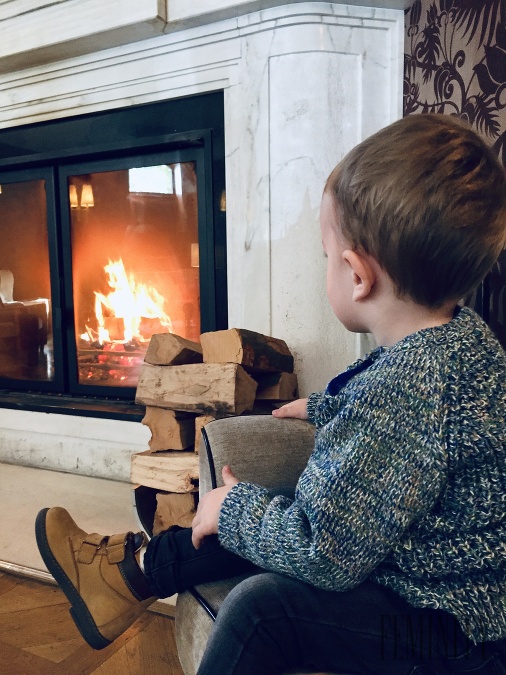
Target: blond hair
pixel 426 198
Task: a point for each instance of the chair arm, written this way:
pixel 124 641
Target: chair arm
pixel 259 448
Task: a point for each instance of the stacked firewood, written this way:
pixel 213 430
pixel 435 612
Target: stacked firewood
pixel 184 386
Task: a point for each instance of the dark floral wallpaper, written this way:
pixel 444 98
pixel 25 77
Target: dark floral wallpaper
pixel 455 63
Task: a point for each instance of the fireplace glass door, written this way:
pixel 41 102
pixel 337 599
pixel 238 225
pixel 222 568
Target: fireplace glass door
pixel 26 333
pixel 113 229
pixel 132 260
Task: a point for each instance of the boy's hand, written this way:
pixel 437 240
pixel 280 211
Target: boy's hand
pixel 208 511
pixel 296 409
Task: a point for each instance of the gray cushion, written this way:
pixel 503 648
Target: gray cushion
pixel 259 448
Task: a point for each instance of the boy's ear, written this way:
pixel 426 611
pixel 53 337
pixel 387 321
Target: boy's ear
pixel 363 274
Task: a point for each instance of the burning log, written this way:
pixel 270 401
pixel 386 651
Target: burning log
pixel 247 348
pixel 173 509
pixel 206 388
pixel 167 349
pixel 276 386
pixel 169 471
pixel 170 430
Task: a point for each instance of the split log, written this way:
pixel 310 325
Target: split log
pixel 247 348
pixel 276 387
pixel 200 423
pixel 168 471
pixel 206 388
pixel 167 349
pixel 170 430
pixel 173 509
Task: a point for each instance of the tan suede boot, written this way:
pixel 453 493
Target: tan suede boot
pixel 99 575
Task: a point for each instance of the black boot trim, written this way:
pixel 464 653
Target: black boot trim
pixel 132 574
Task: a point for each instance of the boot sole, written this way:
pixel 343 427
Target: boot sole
pixel 78 611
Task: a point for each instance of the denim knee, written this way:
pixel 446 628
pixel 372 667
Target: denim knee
pixel 252 631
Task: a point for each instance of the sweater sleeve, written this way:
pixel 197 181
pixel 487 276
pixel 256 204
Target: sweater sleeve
pixel 315 403
pixel 378 466
pixel 321 408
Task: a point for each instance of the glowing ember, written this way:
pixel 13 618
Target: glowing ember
pixel 126 313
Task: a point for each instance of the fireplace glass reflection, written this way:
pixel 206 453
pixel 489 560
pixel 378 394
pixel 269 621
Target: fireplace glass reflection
pixel 26 339
pixel 135 266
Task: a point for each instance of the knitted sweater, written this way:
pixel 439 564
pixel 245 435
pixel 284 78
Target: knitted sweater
pixel 406 484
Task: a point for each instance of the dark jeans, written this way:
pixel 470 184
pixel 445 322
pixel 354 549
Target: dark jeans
pixel 272 624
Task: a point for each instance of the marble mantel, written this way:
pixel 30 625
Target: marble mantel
pixel 303 83
pixel 36 32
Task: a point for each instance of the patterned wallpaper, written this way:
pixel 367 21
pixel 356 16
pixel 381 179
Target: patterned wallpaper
pixel 455 63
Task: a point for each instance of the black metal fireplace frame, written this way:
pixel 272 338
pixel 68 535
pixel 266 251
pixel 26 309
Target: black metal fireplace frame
pixel 186 127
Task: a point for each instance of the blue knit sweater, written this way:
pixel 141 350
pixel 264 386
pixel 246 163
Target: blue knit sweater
pixel 406 484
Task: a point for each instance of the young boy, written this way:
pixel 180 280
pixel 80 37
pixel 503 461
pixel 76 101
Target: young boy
pixel 397 527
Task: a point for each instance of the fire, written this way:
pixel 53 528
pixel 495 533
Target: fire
pixel 126 313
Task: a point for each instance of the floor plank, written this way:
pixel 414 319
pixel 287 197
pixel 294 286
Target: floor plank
pixel 29 595
pixel 38 637
pixel 55 652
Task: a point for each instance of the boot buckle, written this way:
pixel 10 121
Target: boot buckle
pixel 89 548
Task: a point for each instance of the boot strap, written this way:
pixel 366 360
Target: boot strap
pixel 89 547
pixel 114 548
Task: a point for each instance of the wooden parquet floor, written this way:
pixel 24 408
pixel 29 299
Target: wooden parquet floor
pixel 38 637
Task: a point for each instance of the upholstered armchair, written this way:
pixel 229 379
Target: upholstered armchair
pixel 261 449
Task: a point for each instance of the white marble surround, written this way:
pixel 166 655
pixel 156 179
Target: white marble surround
pixel 303 83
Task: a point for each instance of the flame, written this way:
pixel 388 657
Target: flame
pixel 130 301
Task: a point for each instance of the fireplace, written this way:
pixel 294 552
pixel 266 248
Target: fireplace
pixel 302 83
pixel 113 229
